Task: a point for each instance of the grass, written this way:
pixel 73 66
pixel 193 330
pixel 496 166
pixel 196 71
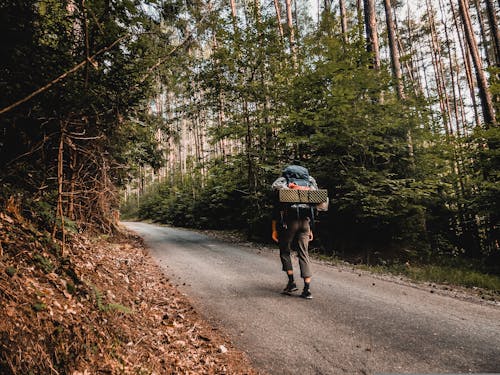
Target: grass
pixel 458 276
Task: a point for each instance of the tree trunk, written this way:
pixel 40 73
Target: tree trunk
pixel 359 18
pixel 395 62
pixel 482 30
pixel 327 6
pixel 410 64
pixel 233 14
pixel 437 63
pixel 343 19
pixel 256 4
pixel 454 82
pixel 291 31
pixel 371 32
pixel 278 18
pixel 396 65
pixel 482 82
pixel 60 190
pixel 467 63
pixel 495 36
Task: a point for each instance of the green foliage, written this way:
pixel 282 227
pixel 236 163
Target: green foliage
pixel 484 204
pixel 45 264
pixel 39 306
pixel 108 306
pixel 386 163
pixel 185 201
pixel 70 288
pixel 352 132
pixel 45 213
pixel 11 271
pixel 452 275
pixel 94 109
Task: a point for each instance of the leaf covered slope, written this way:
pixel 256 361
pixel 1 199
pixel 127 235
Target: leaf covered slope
pixel 104 308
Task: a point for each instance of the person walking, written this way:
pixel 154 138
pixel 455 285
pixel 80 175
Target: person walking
pixel 292 222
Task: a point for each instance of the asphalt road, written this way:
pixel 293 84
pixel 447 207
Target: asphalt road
pixel 354 325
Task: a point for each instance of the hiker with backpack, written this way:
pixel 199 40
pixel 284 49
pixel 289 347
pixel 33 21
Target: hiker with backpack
pixel 293 221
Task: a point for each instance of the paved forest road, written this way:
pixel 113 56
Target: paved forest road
pixel 354 325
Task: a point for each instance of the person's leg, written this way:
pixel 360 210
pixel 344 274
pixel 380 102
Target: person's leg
pixel 303 253
pixel 285 240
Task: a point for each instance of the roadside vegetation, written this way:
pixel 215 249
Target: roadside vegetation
pixel 457 275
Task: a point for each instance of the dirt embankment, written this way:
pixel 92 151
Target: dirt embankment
pixel 104 308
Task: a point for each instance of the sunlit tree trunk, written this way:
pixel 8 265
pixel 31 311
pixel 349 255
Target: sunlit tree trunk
pixel 278 18
pixel 343 19
pixel 467 63
pixel 371 32
pixel 234 15
pixel 412 68
pixel 454 81
pixel 439 72
pixel 482 82
pixel 395 62
pixel 291 32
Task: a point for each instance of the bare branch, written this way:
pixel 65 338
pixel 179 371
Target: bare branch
pixel 62 76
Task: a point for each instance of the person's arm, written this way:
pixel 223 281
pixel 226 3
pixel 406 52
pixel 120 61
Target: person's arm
pixel 278 184
pixel 274 234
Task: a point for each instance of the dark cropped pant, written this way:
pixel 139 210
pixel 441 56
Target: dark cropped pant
pixel 299 230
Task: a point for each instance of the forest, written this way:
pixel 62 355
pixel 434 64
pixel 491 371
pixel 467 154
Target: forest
pixel 184 112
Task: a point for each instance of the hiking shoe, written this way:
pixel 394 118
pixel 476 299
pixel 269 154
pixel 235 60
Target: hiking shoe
pixel 306 294
pixel 290 287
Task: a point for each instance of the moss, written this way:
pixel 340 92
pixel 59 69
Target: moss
pixel 39 306
pixel 11 271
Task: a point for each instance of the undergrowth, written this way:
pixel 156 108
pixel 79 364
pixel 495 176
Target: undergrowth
pixel 442 274
pixel 458 275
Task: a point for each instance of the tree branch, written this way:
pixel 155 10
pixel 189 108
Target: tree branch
pixel 62 76
pixel 164 58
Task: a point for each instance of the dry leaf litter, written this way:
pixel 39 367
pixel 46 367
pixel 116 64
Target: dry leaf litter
pixel 103 308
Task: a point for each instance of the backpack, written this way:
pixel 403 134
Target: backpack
pixel 297 177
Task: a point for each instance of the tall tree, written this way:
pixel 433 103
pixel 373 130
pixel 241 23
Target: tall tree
pixel 494 30
pixel 234 15
pixel 343 18
pixel 291 31
pixel 372 32
pixel 482 30
pixel 482 81
pixel 393 47
pixel 277 8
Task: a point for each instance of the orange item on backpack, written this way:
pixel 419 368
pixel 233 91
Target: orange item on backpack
pixel 293 185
